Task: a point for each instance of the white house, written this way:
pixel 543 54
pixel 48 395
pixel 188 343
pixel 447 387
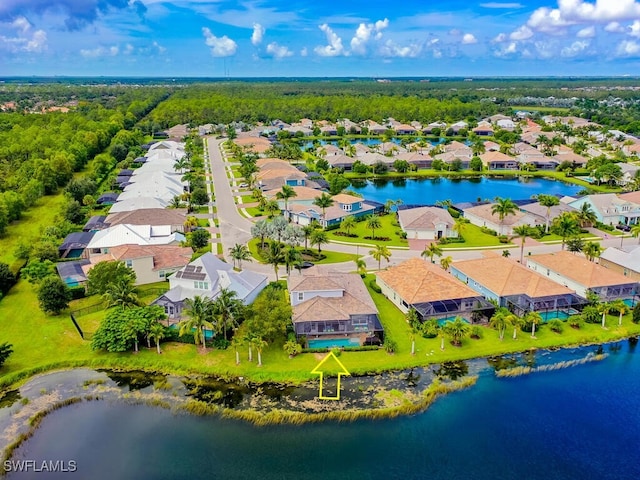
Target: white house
pixel 126 234
pixel 427 223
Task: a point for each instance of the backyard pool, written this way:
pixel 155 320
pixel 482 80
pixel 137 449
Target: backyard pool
pixel 559 314
pixel 443 321
pixel 333 342
pixel 208 334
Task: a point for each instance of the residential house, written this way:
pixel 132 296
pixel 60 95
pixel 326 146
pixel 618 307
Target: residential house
pixel 404 129
pixel 540 212
pixel 96 222
pixel 565 155
pixel 625 261
pixel 174 217
pixel 304 196
pixel 440 126
pixel 333 306
pixel 349 126
pixel 482 216
pixel 610 208
pixel 72 273
pixel 427 223
pixel 432 292
pixel 416 159
pixel 341 161
pixel 107 198
pixel 456 127
pixel 125 234
pixel 74 244
pixel 629 173
pixel 579 274
pixel 490 146
pixel 484 129
pixel 205 277
pixel 253 144
pixel 512 285
pixel 344 206
pixel 499 161
pixel 374 128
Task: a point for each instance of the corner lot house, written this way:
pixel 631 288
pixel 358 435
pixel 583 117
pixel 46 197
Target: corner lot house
pixel 431 291
pixel 427 223
pixel 333 309
pixel 624 261
pixel 514 286
pixel 343 206
pixel 482 216
pixel 579 274
pixel 125 234
pixel 204 277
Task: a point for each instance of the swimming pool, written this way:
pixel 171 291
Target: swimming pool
pixel 443 321
pixel 559 314
pixel 208 334
pixel 629 302
pixel 333 342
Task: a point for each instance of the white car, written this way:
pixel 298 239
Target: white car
pixel 243 185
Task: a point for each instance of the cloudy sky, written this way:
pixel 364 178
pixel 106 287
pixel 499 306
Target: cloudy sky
pixel 255 38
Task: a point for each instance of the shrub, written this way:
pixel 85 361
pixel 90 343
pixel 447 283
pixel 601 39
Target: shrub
pixel 380 239
pixel 556 325
pixel 336 351
pixel 636 314
pixel 390 346
pixel 476 332
pixel 590 314
pixel 503 239
pixel 292 348
pixel 575 321
pixel 447 240
pixel 374 286
pixel 488 231
pixel 430 328
pixel 221 343
pixel 345 234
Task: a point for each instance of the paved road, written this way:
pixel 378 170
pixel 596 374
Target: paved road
pixel 234 228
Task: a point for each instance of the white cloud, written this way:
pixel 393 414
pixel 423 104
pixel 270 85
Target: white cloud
pixel 521 33
pixel 128 49
pixel 506 50
pixel 634 29
pixel 334 48
pixel 628 48
pixel 26 40
pixel 614 27
pixel 501 37
pixel 304 52
pixel 100 52
pixel 220 46
pixel 501 5
pixel 364 33
pixel 257 35
pixel 587 32
pixel 391 49
pixel 278 51
pixel 575 48
pixel 469 39
pixel 545 49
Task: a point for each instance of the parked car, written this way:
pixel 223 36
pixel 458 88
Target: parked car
pixel 243 185
pixel 624 228
pixel 306 264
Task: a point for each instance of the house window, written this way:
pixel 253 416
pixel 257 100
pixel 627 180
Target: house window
pixel 206 285
pixel 300 296
pixel 128 263
pixel 347 207
pixel 162 274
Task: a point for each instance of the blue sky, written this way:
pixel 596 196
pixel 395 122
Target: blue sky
pixel 256 38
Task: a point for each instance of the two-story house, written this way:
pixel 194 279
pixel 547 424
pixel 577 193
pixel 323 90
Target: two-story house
pixel 343 206
pixel 332 309
pixel 610 209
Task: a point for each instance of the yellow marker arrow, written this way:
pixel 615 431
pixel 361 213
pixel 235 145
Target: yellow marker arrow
pixel 321 367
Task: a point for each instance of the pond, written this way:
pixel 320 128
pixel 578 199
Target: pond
pixel 427 191
pixel 576 422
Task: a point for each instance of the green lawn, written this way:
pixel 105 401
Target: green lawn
pixel 332 257
pixel 474 237
pixel 552 237
pixel 254 211
pixel 388 230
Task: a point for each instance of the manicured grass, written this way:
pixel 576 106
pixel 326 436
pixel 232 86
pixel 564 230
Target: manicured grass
pixel 388 230
pixel 474 237
pixel 254 211
pixel 552 237
pixel 332 257
pixel 30 226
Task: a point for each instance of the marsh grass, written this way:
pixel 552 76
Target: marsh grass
pixel 526 370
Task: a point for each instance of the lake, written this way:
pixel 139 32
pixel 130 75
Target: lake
pixel 427 191
pixel 580 422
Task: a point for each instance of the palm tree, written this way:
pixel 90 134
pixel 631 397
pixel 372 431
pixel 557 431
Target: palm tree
pixel 121 293
pixel 457 330
pixel 274 255
pixel 534 318
pixel 156 333
pixel 565 225
pixel 522 232
pixel 431 250
pixel 373 223
pixel 239 253
pixel 285 193
pixel 446 262
pixel 380 252
pixel 348 223
pixel 291 257
pixel 259 345
pixel 181 164
pixel 361 266
pixel 176 202
pixel 506 253
pixel 503 208
pixel 516 322
pixel 500 321
pixel 260 229
pixel 592 250
pixel 226 307
pixel 585 215
pixel 199 313
pixel 622 309
pixel 319 238
pixel 635 231
pixel 277 228
pixel 604 308
pixel 324 201
pixel 548 201
pixel 413 320
pixel 236 343
pixel 307 230
pixel 271 208
pixel 190 223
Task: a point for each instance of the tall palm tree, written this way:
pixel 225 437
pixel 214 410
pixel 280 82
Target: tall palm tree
pixel 604 308
pixel 291 257
pixel 239 253
pixel 431 250
pixel 274 255
pixel 500 321
pixel 503 208
pixel 157 333
pixel 622 309
pixel 413 320
pixel 199 315
pixel 585 215
pixel 457 330
pixel 522 232
pixel 271 208
pixel 361 266
pixel 259 345
pixel 285 193
pixel 121 293
pixel 181 164
pixel 548 201
pixel 307 230
pixel 534 318
pixel 319 238
pixel 190 223
pixel 446 262
pixel 348 223
pixel 260 230
pixel 380 252
pixel 324 201
pixel 236 343
pixel 227 309
pixel 592 250
pixel 373 223
pixel 566 226
pixel 516 322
